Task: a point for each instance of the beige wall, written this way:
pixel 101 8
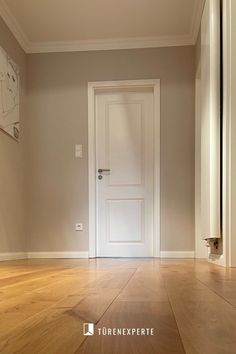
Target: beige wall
pixel 12 232
pixel 57 184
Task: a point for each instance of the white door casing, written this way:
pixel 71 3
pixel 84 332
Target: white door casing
pixel 210 122
pixel 201 250
pixel 124 136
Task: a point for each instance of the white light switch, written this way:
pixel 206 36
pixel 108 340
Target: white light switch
pixel 78 151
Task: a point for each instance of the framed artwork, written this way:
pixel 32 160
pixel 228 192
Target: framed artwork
pixel 9 96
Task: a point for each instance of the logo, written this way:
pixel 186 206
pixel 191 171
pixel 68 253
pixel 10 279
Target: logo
pixel 88 329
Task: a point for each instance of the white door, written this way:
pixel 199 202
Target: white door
pixel 124 146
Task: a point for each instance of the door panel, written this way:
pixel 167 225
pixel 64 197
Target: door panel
pixel 124 145
pixel 125 220
pixel 124 130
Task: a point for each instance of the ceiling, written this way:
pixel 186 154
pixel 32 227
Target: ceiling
pixel 68 25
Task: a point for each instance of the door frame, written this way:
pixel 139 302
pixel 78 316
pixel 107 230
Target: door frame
pixel 94 87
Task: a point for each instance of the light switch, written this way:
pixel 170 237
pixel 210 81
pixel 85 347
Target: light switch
pixel 78 151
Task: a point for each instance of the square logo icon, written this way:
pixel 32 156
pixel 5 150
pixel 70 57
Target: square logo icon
pixel 88 329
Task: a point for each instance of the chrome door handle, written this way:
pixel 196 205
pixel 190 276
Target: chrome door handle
pixel 101 170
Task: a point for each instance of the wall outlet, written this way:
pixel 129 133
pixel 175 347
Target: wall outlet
pixel 79 227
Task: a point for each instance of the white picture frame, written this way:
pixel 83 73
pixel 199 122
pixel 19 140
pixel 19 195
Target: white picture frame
pixel 9 96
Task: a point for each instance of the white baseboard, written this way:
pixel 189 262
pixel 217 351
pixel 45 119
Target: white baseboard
pixel 58 255
pixel 177 254
pixel 11 256
pixel 85 254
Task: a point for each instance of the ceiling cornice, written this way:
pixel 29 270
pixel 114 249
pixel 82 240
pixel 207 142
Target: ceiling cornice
pixel 101 44
pixel 14 27
pixel 110 44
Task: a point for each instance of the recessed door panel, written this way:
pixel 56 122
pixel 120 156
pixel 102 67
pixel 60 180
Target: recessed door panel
pixel 125 221
pixel 124 142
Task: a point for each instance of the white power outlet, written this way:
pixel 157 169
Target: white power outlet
pixel 79 227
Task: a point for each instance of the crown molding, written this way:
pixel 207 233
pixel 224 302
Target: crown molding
pixel 101 44
pixel 13 26
pixel 110 44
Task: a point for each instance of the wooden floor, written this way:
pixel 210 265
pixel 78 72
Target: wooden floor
pixel 190 304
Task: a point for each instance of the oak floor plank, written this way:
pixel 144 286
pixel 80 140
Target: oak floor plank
pixel 206 327
pixel 24 287
pixel 20 278
pixel 145 285
pixel 115 279
pixel 206 322
pixel 91 308
pixel 223 286
pixel 44 303
pixel 58 329
pixel 53 331
pixel 17 309
pixel 166 338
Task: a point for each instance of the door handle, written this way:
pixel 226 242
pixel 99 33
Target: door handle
pixel 101 170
